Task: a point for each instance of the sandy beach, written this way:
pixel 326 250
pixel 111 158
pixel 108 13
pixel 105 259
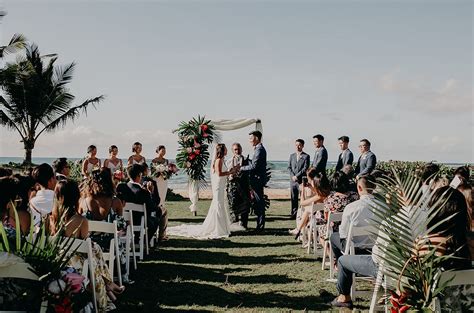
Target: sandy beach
pixel 275 194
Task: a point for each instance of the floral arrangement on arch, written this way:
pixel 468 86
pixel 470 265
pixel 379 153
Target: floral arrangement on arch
pixel 193 153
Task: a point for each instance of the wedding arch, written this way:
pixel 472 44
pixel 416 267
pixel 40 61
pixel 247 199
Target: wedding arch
pixel 194 139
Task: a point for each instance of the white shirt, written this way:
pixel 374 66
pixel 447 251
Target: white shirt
pixel 41 204
pixel 359 213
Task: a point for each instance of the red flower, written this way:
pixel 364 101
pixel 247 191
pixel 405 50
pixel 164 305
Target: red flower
pixel 197 152
pixel 192 156
pixel 204 127
pixel 64 307
pixel 205 135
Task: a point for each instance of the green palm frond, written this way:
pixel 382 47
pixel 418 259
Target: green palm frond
pixel 403 208
pixel 16 44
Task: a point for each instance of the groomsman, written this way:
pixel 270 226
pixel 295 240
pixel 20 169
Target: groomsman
pixel 367 160
pixel 346 157
pixel 321 155
pixel 298 165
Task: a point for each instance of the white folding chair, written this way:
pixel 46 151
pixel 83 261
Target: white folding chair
pixel 357 231
pixel 84 246
pixel 129 241
pixel 327 250
pixel 459 278
pixel 312 232
pixel 380 280
pixel 22 271
pixel 114 253
pixel 142 229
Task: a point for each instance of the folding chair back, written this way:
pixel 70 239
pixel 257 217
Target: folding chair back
pixel 142 228
pixel 459 278
pixel 312 232
pixel 129 240
pixel 333 217
pixel 85 247
pixel 114 253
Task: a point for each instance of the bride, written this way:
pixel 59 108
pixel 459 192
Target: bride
pixel 217 223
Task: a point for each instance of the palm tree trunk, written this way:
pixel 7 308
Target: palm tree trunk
pixel 28 146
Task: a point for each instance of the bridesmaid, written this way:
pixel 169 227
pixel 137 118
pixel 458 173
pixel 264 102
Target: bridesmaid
pixel 113 163
pixel 136 158
pixel 90 162
pixel 161 182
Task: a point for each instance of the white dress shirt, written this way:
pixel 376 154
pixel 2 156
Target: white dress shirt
pixel 41 204
pixel 359 213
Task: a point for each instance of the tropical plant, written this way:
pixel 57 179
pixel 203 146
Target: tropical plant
pixel 194 138
pixel 45 254
pixel 404 233
pixel 35 96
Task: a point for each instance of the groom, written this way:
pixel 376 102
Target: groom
pixel 257 170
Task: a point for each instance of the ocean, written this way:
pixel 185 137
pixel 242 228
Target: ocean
pixel 280 177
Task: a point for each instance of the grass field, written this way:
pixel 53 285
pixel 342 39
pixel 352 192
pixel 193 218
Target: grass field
pixel 247 272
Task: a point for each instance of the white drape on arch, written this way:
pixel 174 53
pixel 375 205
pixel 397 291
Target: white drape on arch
pixel 221 125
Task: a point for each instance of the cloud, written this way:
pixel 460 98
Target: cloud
pixel 388 118
pixel 333 116
pixel 74 141
pixel 451 97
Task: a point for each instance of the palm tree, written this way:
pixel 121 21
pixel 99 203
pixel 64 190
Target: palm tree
pixel 35 97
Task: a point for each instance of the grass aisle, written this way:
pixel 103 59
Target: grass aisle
pixel 247 272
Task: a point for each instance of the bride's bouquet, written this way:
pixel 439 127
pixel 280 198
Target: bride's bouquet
pixel 164 170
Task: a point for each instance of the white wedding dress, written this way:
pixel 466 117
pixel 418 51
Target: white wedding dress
pixel 217 223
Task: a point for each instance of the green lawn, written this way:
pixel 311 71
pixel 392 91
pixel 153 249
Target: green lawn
pixel 247 272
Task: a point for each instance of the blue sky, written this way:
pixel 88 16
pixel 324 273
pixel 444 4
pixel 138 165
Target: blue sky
pixel 396 72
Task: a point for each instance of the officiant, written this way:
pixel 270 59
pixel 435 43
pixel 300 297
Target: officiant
pixel 238 188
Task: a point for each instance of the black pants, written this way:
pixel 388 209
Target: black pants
pixel 259 206
pixel 295 192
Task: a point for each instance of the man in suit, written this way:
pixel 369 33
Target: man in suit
pixel 298 165
pixel 367 160
pixel 134 192
pixel 346 157
pixel 257 170
pixel 321 155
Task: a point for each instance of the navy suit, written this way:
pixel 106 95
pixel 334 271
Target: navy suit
pixel 258 175
pixel 345 158
pixel 320 160
pixel 134 193
pixel 366 164
pixel 297 168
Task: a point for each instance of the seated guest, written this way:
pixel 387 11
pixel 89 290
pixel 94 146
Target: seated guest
pixel 99 202
pixel 8 195
pixel 358 213
pixel 463 173
pixel 428 175
pixel 448 237
pixel 318 186
pixel 61 168
pixel 91 162
pixel 42 203
pixel 65 218
pixel 134 192
pixel 152 186
pixel 349 171
pixel 5 172
pixel 340 195
pixel 25 191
